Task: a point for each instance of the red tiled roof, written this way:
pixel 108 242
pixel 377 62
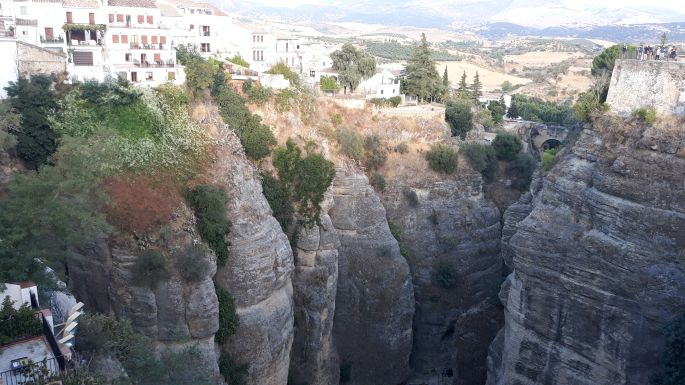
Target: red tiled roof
pixel 27 22
pixel 25 284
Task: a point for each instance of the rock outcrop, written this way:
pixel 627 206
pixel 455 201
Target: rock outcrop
pixel 314 360
pixel 449 229
pixel 375 300
pixel 258 270
pixel 598 263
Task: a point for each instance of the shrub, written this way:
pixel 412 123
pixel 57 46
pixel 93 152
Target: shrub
pixel 395 101
pixel 351 143
pixel 192 262
pixel 549 158
pixel 375 154
pixel 395 230
pixel 283 69
pixel 507 146
pixel 149 269
pixel 522 170
pixel 402 148
pixel 378 182
pixel 336 119
pixel 234 373
pixel 442 158
pixel 279 200
pixel 482 158
pixel 645 114
pixel 237 59
pixel 459 116
pixel 445 275
pixel 200 74
pixel 286 100
pixel 329 84
pixel 228 318
pixel 538 110
pixel 17 323
pixel 256 94
pixel 208 202
pixel 411 196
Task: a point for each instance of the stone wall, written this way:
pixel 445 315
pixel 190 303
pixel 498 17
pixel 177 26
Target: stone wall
pixel 638 83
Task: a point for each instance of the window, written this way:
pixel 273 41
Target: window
pixel 148 76
pixel 91 18
pixel 154 39
pixel 141 19
pixel 298 46
pixel 157 58
pixel 171 75
pixel 312 73
pixel 124 39
pixel 70 17
pixel 204 47
pixel 149 19
pixel 111 18
pixel 24 11
pixel 128 57
pixel 134 76
pixel 83 58
pixel 381 92
pixel 162 40
pixel 205 30
pixel 286 47
pixel 143 39
pixel 115 38
pixel 24 33
pixel 120 18
pixel 192 27
pixel 49 34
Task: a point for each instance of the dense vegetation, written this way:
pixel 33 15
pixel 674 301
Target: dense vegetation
pixel 353 66
pixel 537 110
pixel 256 93
pixel 459 116
pixel 208 202
pixel 395 51
pixel 17 324
pixel 507 146
pixel 279 200
pixel 421 78
pixel 482 158
pixel 442 158
pixel 228 319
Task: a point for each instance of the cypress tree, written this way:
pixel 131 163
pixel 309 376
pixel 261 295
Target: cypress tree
pixel 463 90
pixel 476 87
pixel 445 79
pixel 421 77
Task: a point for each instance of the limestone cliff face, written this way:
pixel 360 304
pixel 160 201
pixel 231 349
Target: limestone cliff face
pixel 451 225
pixel 375 300
pixel 258 270
pixel 598 264
pixel 314 360
pixel 173 310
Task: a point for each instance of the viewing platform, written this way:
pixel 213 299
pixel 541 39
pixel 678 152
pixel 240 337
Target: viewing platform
pixel 647 83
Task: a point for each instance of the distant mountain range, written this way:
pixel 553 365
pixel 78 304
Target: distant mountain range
pixel 491 18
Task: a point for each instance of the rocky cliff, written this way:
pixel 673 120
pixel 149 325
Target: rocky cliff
pixel 449 230
pixel 374 306
pixel 597 253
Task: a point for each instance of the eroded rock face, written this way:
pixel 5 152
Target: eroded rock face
pixel 258 270
pixel 450 226
pixel 170 311
pixel 375 299
pixel 314 360
pixel 599 266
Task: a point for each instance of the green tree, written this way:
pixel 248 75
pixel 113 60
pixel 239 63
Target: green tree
pixel 497 109
pixel 237 59
pixel 463 89
pixel 513 111
pixel 459 116
pixel 10 121
pixel 476 87
pixel 421 78
pixel 279 200
pixel 281 68
pixel 353 66
pixel 35 101
pixel 199 74
pixel 507 86
pixel 187 53
pixel 445 79
pixel 482 158
pixel 329 84
pixel 442 158
pixel 507 146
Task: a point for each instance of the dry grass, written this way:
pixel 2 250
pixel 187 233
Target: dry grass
pixel 491 79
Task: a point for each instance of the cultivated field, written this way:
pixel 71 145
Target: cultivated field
pixel 490 79
pixel 541 59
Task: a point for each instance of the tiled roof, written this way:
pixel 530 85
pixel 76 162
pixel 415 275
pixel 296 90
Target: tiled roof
pixel 133 3
pixel 167 10
pixel 81 3
pixel 26 22
pixel 192 4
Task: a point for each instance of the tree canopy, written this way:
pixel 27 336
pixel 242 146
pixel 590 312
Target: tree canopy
pixel 353 66
pixel 459 116
pixel 421 78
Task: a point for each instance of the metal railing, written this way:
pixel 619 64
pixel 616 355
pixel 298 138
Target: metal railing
pixel 147 46
pixel 159 64
pixel 59 40
pixel 23 375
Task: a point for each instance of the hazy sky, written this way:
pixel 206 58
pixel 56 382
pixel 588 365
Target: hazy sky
pixel 676 5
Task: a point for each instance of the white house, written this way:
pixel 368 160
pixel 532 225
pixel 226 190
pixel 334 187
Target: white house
pixel 8 64
pixel 21 293
pixel 384 84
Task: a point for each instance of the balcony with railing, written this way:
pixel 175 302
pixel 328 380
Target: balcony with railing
pixel 148 46
pixel 154 64
pixel 53 40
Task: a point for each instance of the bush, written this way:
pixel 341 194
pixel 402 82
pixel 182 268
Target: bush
pixel 329 84
pixel 256 94
pixel 482 158
pixel 336 119
pixel 375 156
pixel 411 196
pixel 351 143
pixel 283 69
pixel 395 101
pixel 237 59
pixel 200 74
pixel 228 318
pixel 402 148
pixel 286 100
pixel 538 110
pixel 192 262
pixel 208 202
pixel 549 158
pixel 378 182
pixel 149 269
pixel 522 170
pixel 279 200
pixel 459 116
pixel 234 373
pixel 645 114
pixel 445 275
pixel 442 158
pixel 507 146
pixel 17 324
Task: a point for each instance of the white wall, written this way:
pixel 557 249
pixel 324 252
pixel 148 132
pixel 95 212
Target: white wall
pixel 18 295
pixel 8 64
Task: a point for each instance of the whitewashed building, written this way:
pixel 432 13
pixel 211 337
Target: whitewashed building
pixel 384 84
